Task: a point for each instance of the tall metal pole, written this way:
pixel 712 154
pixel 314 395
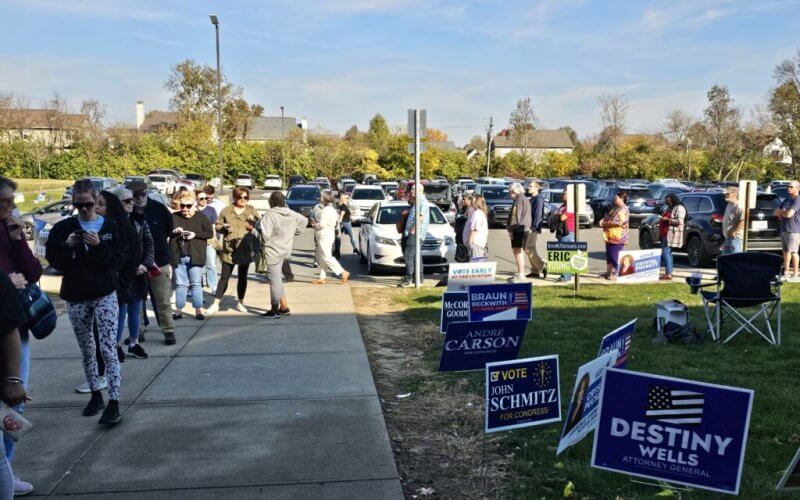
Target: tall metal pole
pixel 417 204
pixel 489 145
pixel 283 149
pixel 215 21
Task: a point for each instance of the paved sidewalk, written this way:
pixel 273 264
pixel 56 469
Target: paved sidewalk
pixel 241 407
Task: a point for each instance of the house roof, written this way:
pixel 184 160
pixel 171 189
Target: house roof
pixel 540 139
pixel 158 119
pixel 43 119
pixel 268 128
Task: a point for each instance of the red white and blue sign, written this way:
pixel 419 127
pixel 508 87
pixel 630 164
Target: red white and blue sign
pixel 522 393
pixel 455 307
pixel 500 302
pixel 470 345
pixel 620 340
pixel 673 430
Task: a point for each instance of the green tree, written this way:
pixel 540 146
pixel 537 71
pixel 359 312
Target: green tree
pixel 379 135
pixel 784 104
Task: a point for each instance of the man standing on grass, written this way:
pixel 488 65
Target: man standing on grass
pixel 733 223
pixel 789 213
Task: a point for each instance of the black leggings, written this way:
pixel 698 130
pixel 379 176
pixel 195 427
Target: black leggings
pixel 227 271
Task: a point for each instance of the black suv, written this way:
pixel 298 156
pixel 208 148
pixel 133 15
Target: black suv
pixel 703 237
pixel 497 201
pixel 638 205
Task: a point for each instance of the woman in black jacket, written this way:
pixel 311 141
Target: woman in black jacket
pixel 187 248
pixel 89 253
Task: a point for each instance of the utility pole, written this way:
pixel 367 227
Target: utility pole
pixel 489 145
pixel 283 149
pixel 215 22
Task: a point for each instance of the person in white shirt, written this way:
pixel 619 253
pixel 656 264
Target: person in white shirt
pixel 478 227
pixel 325 234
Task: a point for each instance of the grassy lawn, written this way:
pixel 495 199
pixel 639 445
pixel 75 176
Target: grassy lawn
pixel 572 328
pixel 31 188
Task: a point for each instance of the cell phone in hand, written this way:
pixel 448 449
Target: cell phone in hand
pixel 80 232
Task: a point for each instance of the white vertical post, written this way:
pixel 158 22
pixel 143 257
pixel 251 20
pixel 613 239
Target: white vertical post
pixel 417 204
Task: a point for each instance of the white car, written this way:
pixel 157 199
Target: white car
pixel 343 181
pixel 273 182
pixel 244 180
pixel 164 183
pixel 363 198
pixel 379 241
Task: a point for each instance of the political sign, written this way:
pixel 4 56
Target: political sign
pixel 460 275
pixel 584 405
pixel 455 307
pixel 522 393
pixel 567 257
pixel 470 345
pixel 673 430
pixel 619 340
pixel 638 266
pixel 791 478
pixel 498 302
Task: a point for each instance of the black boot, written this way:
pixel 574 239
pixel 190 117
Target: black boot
pixel 111 414
pixel 95 404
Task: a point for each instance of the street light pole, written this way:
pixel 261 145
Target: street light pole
pixel 215 22
pixel 283 148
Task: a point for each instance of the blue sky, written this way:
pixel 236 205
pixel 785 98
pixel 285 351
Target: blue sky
pixel 339 62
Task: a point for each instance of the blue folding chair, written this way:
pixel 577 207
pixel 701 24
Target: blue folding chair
pixel 745 281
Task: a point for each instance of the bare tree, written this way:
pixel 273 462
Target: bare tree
pixel 789 71
pixel 14 118
pixel 56 111
pixel 676 126
pixel 613 112
pixel 95 112
pixel 523 122
pixel 784 104
pixel 723 125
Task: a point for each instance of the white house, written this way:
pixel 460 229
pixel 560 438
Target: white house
pixel 541 142
pixel 778 151
pixel 47 126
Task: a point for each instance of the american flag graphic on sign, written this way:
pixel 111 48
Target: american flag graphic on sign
pixel 674 406
pixel 520 298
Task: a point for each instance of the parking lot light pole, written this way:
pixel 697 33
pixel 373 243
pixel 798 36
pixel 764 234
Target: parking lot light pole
pixel 283 149
pixel 215 22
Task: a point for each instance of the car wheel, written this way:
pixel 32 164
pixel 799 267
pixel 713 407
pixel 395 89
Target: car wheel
pixel 371 267
pixel 696 253
pixel 28 231
pixel 645 238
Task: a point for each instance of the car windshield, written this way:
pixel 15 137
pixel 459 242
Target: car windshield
pixel 194 177
pixel 767 202
pixel 132 178
pixel 241 177
pixel 368 194
pixel 640 193
pixel 157 178
pixel 391 215
pixel 348 187
pixel 306 194
pixel 495 193
pixel 437 191
pixel 468 185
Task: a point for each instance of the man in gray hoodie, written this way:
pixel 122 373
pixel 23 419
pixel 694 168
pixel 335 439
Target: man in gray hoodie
pixel 278 227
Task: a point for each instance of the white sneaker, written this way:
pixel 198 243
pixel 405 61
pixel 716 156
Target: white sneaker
pixel 213 309
pixel 241 308
pixel 84 387
pixel 21 488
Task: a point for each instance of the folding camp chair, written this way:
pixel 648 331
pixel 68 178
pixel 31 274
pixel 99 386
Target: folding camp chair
pixel 745 281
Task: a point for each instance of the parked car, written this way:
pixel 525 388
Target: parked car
pixel 197 179
pixel 497 201
pixel 379 241
pixel 347 187
pixel 164 183
pixel 390 187
pixel 244 180
pixel 273 182
pixel 703 229
pixel 296 179
pixel 637 202
pixel 302 198
pixel 322 185
pixel 438 193
pixel 50 213
pixel 553 199
pixel 138 178
pixel 362 198
pixel 343 181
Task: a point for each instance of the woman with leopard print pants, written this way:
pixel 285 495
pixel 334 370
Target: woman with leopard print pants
pixel 88 251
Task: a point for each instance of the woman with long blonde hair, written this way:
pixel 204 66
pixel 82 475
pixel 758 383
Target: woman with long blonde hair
pixel 478 227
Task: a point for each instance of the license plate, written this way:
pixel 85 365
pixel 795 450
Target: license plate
pixel 759 225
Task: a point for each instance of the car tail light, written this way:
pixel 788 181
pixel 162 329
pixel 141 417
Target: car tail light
pixel 718 218
pixel 652 203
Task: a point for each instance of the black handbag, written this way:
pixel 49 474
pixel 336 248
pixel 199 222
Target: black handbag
pixel 39 310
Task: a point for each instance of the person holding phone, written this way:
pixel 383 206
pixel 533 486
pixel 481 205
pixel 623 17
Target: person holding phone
pixel 187 245
pixel 236 223
pixel 88 251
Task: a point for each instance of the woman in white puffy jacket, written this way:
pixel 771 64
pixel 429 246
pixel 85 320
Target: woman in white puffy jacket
pixel 325 232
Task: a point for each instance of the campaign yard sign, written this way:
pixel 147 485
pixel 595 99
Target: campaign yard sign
pixel 499 302
pixel 455 307
pixel 567 257
pixel 522 393
pixel 673 430
pixel 470 345
pixel 620 340
pixel 791 478
pixel 460 275
pixel 583 407
pixel 639 266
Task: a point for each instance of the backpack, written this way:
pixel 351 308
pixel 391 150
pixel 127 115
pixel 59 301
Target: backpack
pixel 681 334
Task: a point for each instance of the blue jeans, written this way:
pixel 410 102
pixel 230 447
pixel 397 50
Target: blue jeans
pixel 133 311
pixel 211 268
pixel 347 228
pixel 188 275
pixel 666 256
pixel 567 237
pixel 410 257
pixel 732 245
pixel 24 373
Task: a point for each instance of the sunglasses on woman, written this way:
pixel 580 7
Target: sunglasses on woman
pixel 128 201
pixel 242 197
pixel 202 198
pixel 187 205
pixel 84 206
